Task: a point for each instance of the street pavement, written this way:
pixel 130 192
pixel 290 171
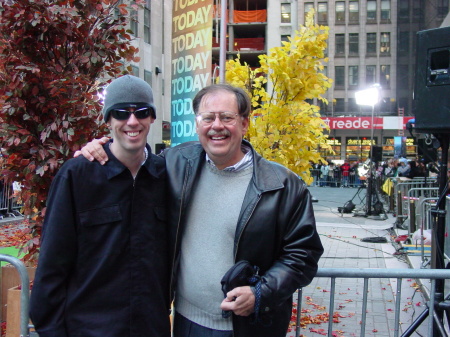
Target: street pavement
pixel 343 237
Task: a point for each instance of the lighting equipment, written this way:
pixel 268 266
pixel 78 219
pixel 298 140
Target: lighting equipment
pixel 369 97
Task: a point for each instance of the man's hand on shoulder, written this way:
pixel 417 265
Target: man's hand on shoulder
pixel 94 150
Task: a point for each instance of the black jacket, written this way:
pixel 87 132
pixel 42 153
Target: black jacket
pixel 276 231
pixel 103 266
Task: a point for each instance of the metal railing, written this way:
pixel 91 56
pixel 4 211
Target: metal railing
pixel 366 274
pixel 10 205
pixel 24 295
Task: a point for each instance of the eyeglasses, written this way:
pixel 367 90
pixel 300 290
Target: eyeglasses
pixel 124 114
pixel 226 118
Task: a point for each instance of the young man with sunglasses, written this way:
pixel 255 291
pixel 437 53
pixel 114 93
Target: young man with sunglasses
pixel 228 204
pixel 103 267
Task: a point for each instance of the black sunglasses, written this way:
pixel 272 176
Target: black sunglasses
pixel 123 114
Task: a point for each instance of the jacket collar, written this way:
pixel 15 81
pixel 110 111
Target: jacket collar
pixel 115 167
pixel 265 177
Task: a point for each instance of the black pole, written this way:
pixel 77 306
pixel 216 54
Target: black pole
pixel 438 260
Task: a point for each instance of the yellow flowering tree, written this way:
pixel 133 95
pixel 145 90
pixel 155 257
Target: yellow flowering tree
pixel 284 127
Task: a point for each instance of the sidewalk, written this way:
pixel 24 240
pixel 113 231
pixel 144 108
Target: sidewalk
pixel 341 236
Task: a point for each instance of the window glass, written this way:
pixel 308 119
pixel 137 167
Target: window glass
pixel 340 44
pixel 371 47
pixel 370 74
pixel 340 12
pixel 371 10
pixel 339 75
pixel 353 11
pixel 353 75
pixel 385 76
pixel 385 43
pixel 385 10
pixel 322 11
pixel 353 40
pixel 308 7
pixel 285 13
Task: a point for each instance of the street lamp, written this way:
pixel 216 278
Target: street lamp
pixel 369 97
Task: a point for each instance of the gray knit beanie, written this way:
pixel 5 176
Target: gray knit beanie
pixel 125 91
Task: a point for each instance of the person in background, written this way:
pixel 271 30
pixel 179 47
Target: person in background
pixel 103 268
pixel 345 172
pixel 228 205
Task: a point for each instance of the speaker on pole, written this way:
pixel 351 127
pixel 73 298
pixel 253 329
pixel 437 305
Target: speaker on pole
pixel 432 81
pixel 377 154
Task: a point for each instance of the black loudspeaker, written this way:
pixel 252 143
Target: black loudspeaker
pixel 432 81
pixel 159 147
pixel 377 153
pixel 426 152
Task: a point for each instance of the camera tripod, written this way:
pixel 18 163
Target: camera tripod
pixel 372 206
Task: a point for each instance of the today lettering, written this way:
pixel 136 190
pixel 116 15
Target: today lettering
pixel 182 107
pixel 182 4
pixel 187 84
pixel 191 19
pixel 200 38
pixel 183 129
pixel 190 62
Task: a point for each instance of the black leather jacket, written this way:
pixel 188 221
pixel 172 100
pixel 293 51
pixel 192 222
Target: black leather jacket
pixel 276 231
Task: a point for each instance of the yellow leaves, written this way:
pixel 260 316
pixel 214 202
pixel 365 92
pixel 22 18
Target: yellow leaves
pixel 284 127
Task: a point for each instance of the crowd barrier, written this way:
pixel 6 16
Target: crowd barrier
pixel 10 204
pixel 336 179
pixel 367 274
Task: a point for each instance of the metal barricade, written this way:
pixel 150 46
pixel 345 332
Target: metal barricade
pixel 447 227
pixel 10 205
pixel 401 195
pixel 366 274
pixel 24 294
pixel 424 219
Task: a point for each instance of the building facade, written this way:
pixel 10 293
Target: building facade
pixel 370 41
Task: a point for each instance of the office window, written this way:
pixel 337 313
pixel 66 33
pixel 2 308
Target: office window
pixel 147 18
pixel 371 47
pixel 385 76
pixel 148 77
pixel 442 8
pixel 324 71
pixel 403 10
pixel 385 10
pixel 339 76
pixel 340 44
pixel 322 12
pixel 323 107
pixel 134 21
pixel 371 10
pixel 385 43
pixel 285 38
pixel 135 70
pixel 352 106
pixel 417 10
pixel 340 12
pixel 370 74
pixel 308 7
pixel 403 42
pixel 285 13
pixel 353 75
pixel 353 43
pixel 353 11
pixel 340 105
